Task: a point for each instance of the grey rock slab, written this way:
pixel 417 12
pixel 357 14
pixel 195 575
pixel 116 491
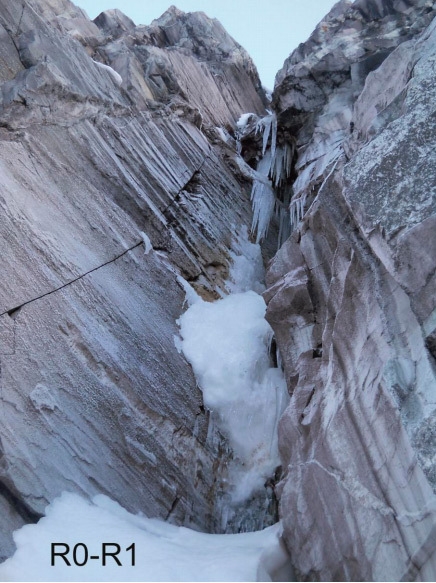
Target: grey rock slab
pixel 354 501
pixel 11 521
pixel 114 23
pixel 95 395
pixel 351 297
pixel 188 55
pixel 98 403
pixel 10 63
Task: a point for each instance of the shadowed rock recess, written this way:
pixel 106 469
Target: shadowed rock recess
pixel 112 134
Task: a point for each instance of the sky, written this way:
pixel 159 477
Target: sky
pixel 268 29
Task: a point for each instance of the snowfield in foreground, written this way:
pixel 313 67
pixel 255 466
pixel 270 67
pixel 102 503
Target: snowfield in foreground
pixel 163 552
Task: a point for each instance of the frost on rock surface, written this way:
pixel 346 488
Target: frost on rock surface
pixel 147 243
pixel 163 552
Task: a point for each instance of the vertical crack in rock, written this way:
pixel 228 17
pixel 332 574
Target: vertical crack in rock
pixel 351 296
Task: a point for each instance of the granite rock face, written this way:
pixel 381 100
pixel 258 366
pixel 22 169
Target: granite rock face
pixel 352 297
pixel 95 395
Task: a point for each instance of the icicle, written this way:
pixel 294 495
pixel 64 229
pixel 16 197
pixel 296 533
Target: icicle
pixel 263 201
pixel 296 210
pixel 264 165
pixel 281 164
pixel 272 171
pixel 265 125
pixel 288 159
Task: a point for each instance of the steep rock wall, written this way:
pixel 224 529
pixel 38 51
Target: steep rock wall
pixel 351 297
pixel 95 395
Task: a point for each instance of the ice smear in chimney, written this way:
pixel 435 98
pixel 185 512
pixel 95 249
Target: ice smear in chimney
pixel 228 345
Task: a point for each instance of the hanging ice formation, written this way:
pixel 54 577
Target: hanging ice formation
pixel 296 210
pixel 275 165
pixel 272 192
pixel 297 206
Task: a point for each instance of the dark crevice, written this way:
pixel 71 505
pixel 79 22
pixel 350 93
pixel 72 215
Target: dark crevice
pixel 317 352
pixel 173 507
pixel 193 180
pixel 21 18
pixel 273 353
pixel 26 513
pixel 14 310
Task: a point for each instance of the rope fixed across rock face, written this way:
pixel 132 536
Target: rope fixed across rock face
pixel 11 311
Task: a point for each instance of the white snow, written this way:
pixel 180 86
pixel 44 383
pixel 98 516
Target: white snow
pixel 247 270
pixel 191 296
pixel 163 552
pixel 243 120
pixel 147 243
pixel 227 343
pixel 116 77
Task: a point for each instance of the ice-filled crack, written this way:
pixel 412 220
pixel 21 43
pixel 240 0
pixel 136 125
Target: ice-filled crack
pixel 228 344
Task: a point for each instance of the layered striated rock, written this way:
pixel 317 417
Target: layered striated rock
pixel 104 153
pixel 188 55
pixel 351 297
